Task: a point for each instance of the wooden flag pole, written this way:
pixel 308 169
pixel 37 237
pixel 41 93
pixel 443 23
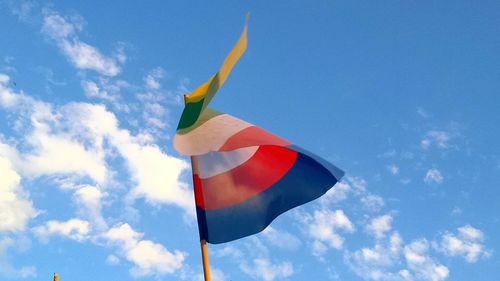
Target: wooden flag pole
pixel 203 243
pixel 204 256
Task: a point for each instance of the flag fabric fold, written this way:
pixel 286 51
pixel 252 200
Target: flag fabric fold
pixel 243 176
pixel 198 100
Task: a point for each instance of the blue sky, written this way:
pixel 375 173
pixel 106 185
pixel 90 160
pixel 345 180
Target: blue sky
pixel 402 95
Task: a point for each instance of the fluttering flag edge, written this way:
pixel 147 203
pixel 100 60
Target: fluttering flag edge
pixel 307 180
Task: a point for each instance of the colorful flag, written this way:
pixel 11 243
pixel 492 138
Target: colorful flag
pixel 244 177
pixel 198 100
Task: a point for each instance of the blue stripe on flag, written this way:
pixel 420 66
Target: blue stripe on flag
pixel 309 178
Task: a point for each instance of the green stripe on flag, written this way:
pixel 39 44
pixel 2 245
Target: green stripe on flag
pixel 190 114
pixel 206 115
pixel 198 100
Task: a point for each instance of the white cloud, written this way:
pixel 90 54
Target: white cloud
pixel 107 90
pixel 6 268
pixel 80 54
pixel 74 229
pixel 323 226
pixel 152 79
pixel 215 275
pixel 405 181
pixel 281 239
pixel 152 100
pixel 149 258
pixel 75 139
pixel 372 202
pixel 341 190
pixel 393 169
pixel 423 266
pixel 228 251
pixel 27 272
pixel 156 173
pixel 391 260
pixel 53 150
pixel 456 211
pixel 60 154
pixel 263 269
pixel 336 194
pixel 93 91
pixel 24 10
pixel 433 176
pixel 379 262
pixel 422 112
pixel 253 256
pixel 90 200
pixel 438 138
pixel 15 209
pixel 4 79
pixel 112 260
pixel 358 184
pixel 467 243
pixel 7 98
pixel 388 154
pixel 90 196
pixel 470 233
pixel 379 226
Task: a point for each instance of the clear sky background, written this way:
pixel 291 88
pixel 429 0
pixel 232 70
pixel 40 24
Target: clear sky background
pixel 402 95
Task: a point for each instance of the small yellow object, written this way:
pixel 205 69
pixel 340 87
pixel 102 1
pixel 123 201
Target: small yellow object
pixel 56 276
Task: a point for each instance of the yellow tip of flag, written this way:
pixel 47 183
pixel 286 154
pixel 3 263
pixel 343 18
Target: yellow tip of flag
pixel 56 276
pixel 231 59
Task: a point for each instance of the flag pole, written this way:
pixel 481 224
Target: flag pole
pixel 204 256
pixel 203 243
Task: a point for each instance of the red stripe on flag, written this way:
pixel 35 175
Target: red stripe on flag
pixel 198 197
pixel 252 136
pixel 266 167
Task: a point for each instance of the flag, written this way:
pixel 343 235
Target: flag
pixel 243 176
pixel 198 100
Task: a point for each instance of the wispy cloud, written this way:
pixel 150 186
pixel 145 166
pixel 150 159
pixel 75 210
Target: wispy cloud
pixel 422 112
pixel 433 176
pixel 390 260
pixel 372 202
pixel 393 169
pixel 281 238
pixel 254 257
pixel 6 268
pixel 466 243
pixel 92 90
pixel 378 262
pixel 348 186
pixel 149 258
pixel 74 229
pixel 53 151
pixel 73 139
pixel 323 226
pixel 15 207
pixel 441 139
pixel 423 265
pixel 152 80
pixel 73 143
pixel 89 199
pixel 64 32
pixel 263 269
pixel 379 226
